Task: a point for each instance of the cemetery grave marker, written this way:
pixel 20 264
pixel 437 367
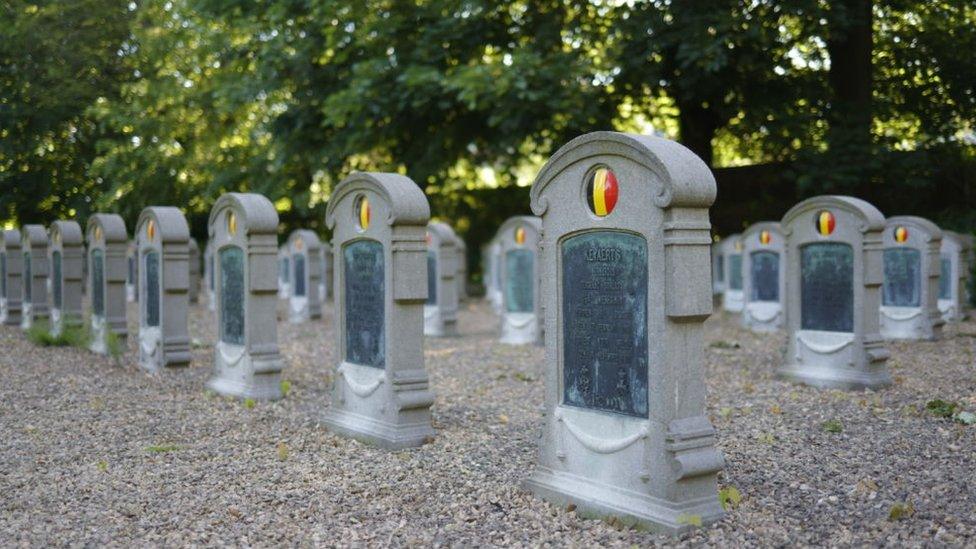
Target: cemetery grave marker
pixel 380 391
pixel 834 270
pixel 107 258
pixel 305 251
pixel 718 269
pixel 194 271
pixel 243 230
pixel 953 277
pixel 284 272
pixel 764 280
pixel 440 311
pixel 519 238
pixel 163 252
pixel 625 263
pixel 34 245
pixel 326 281
pixel 462 272
pixel 493 274
pixel 67 253
pixel 733 298
pixel 11 281
pixel 132 277
pixel 910 293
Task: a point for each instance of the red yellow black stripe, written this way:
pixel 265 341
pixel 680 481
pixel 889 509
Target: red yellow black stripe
pixel 825 222
pixel 602 191
pixel 901 234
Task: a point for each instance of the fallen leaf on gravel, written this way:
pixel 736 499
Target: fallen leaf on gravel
pixel 901 511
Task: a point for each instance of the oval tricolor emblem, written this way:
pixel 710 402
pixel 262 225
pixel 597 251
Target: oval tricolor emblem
pixel 765 237
pixel 825 223
pixel 363 212
pixel 901 234
pixel 150 229
pixel 520 236
pixel 601 191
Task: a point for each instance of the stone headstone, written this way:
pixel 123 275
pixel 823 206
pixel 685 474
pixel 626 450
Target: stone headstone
pixel 305 251
pixel 626 286
pixel 380 393
pixel 326 281
pixel 440 310
pixel 493 275
pixel 67 253
pixel 208 274
pixel 11 281
pixel 163 252
pixel 284 272
pixel 718 269
pixel 243 230
pixel 953 277
pixel 733 298
pixel 194 271
pixel 764 276
pixel 969 264
pixel 834 270
pixel 107 257
pixel 36 270
pixel 910 293
pixel 519 238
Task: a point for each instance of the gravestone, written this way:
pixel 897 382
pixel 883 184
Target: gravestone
pixel 462 273
pixel 764 280
pixel 733 298
pixel 625 283
pixel 163 252
pixel 325 282
pixel 67 253
pixel 194 293
pixel 305 251
pixel 132 276
pixel 284 272
pixel 243 230
pixel 910 293
pixel 34 246
pixel 208 274
pixel 519 238
pixel 11 281
pixel 493 274
pixel 953 277
pixel 107 258
pixel 718 269
pixel 440 310
pixel 834 270
pixel 380 391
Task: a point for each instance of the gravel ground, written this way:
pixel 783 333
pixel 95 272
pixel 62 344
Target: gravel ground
pixel 99 453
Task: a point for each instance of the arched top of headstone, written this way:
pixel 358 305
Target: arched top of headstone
pixel 408 205
pixel 763 233
pixel 33 235
pixel 930 231
pixel 112 225
pixel 528 221
pixel 731 243
pixel 872 218
pixel 685 179
pixel 11 239
pixel 309 238
pixel 258 215
pixel 66 232
pixel 443 233
pixel 169 221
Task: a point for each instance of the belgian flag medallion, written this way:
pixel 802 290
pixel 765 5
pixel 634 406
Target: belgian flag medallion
pixel 901 235
pixel 825 223
pixel 601 191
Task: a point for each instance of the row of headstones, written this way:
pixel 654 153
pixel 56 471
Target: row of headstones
pixel 306 267
pixel 623 268
pixel 512 279
pixel 925 275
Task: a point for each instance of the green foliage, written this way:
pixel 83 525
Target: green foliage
pixel 941 408
pixel 900 511
pixel 71 336
pixel 690 520
pixel 114 345
pixel 162 448
pixel 832 426
pixel 285 387
pixel 729 497
pixel 249 403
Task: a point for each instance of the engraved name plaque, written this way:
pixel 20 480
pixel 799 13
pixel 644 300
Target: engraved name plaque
pixel 431 279
pixel 945 278
pixel 56 287
pixel 735 272
pixel 902 277
pixel 519 281
pixel 604 287
pixel 299 262
pixel 152 289
pixel 365 303
pixel 232 295
pixel 765 276
pixel 98 282
pixel 827 287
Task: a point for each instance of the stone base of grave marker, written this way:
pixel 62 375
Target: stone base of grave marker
pixel 763 316
pixel 391 412
pixel 826 360
pixel 908 323
pixel 298 312
pixel 689 448
pixel 520 329
pixel 437 326
pixel 947 308
pixel 233 369
pixel 733 301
